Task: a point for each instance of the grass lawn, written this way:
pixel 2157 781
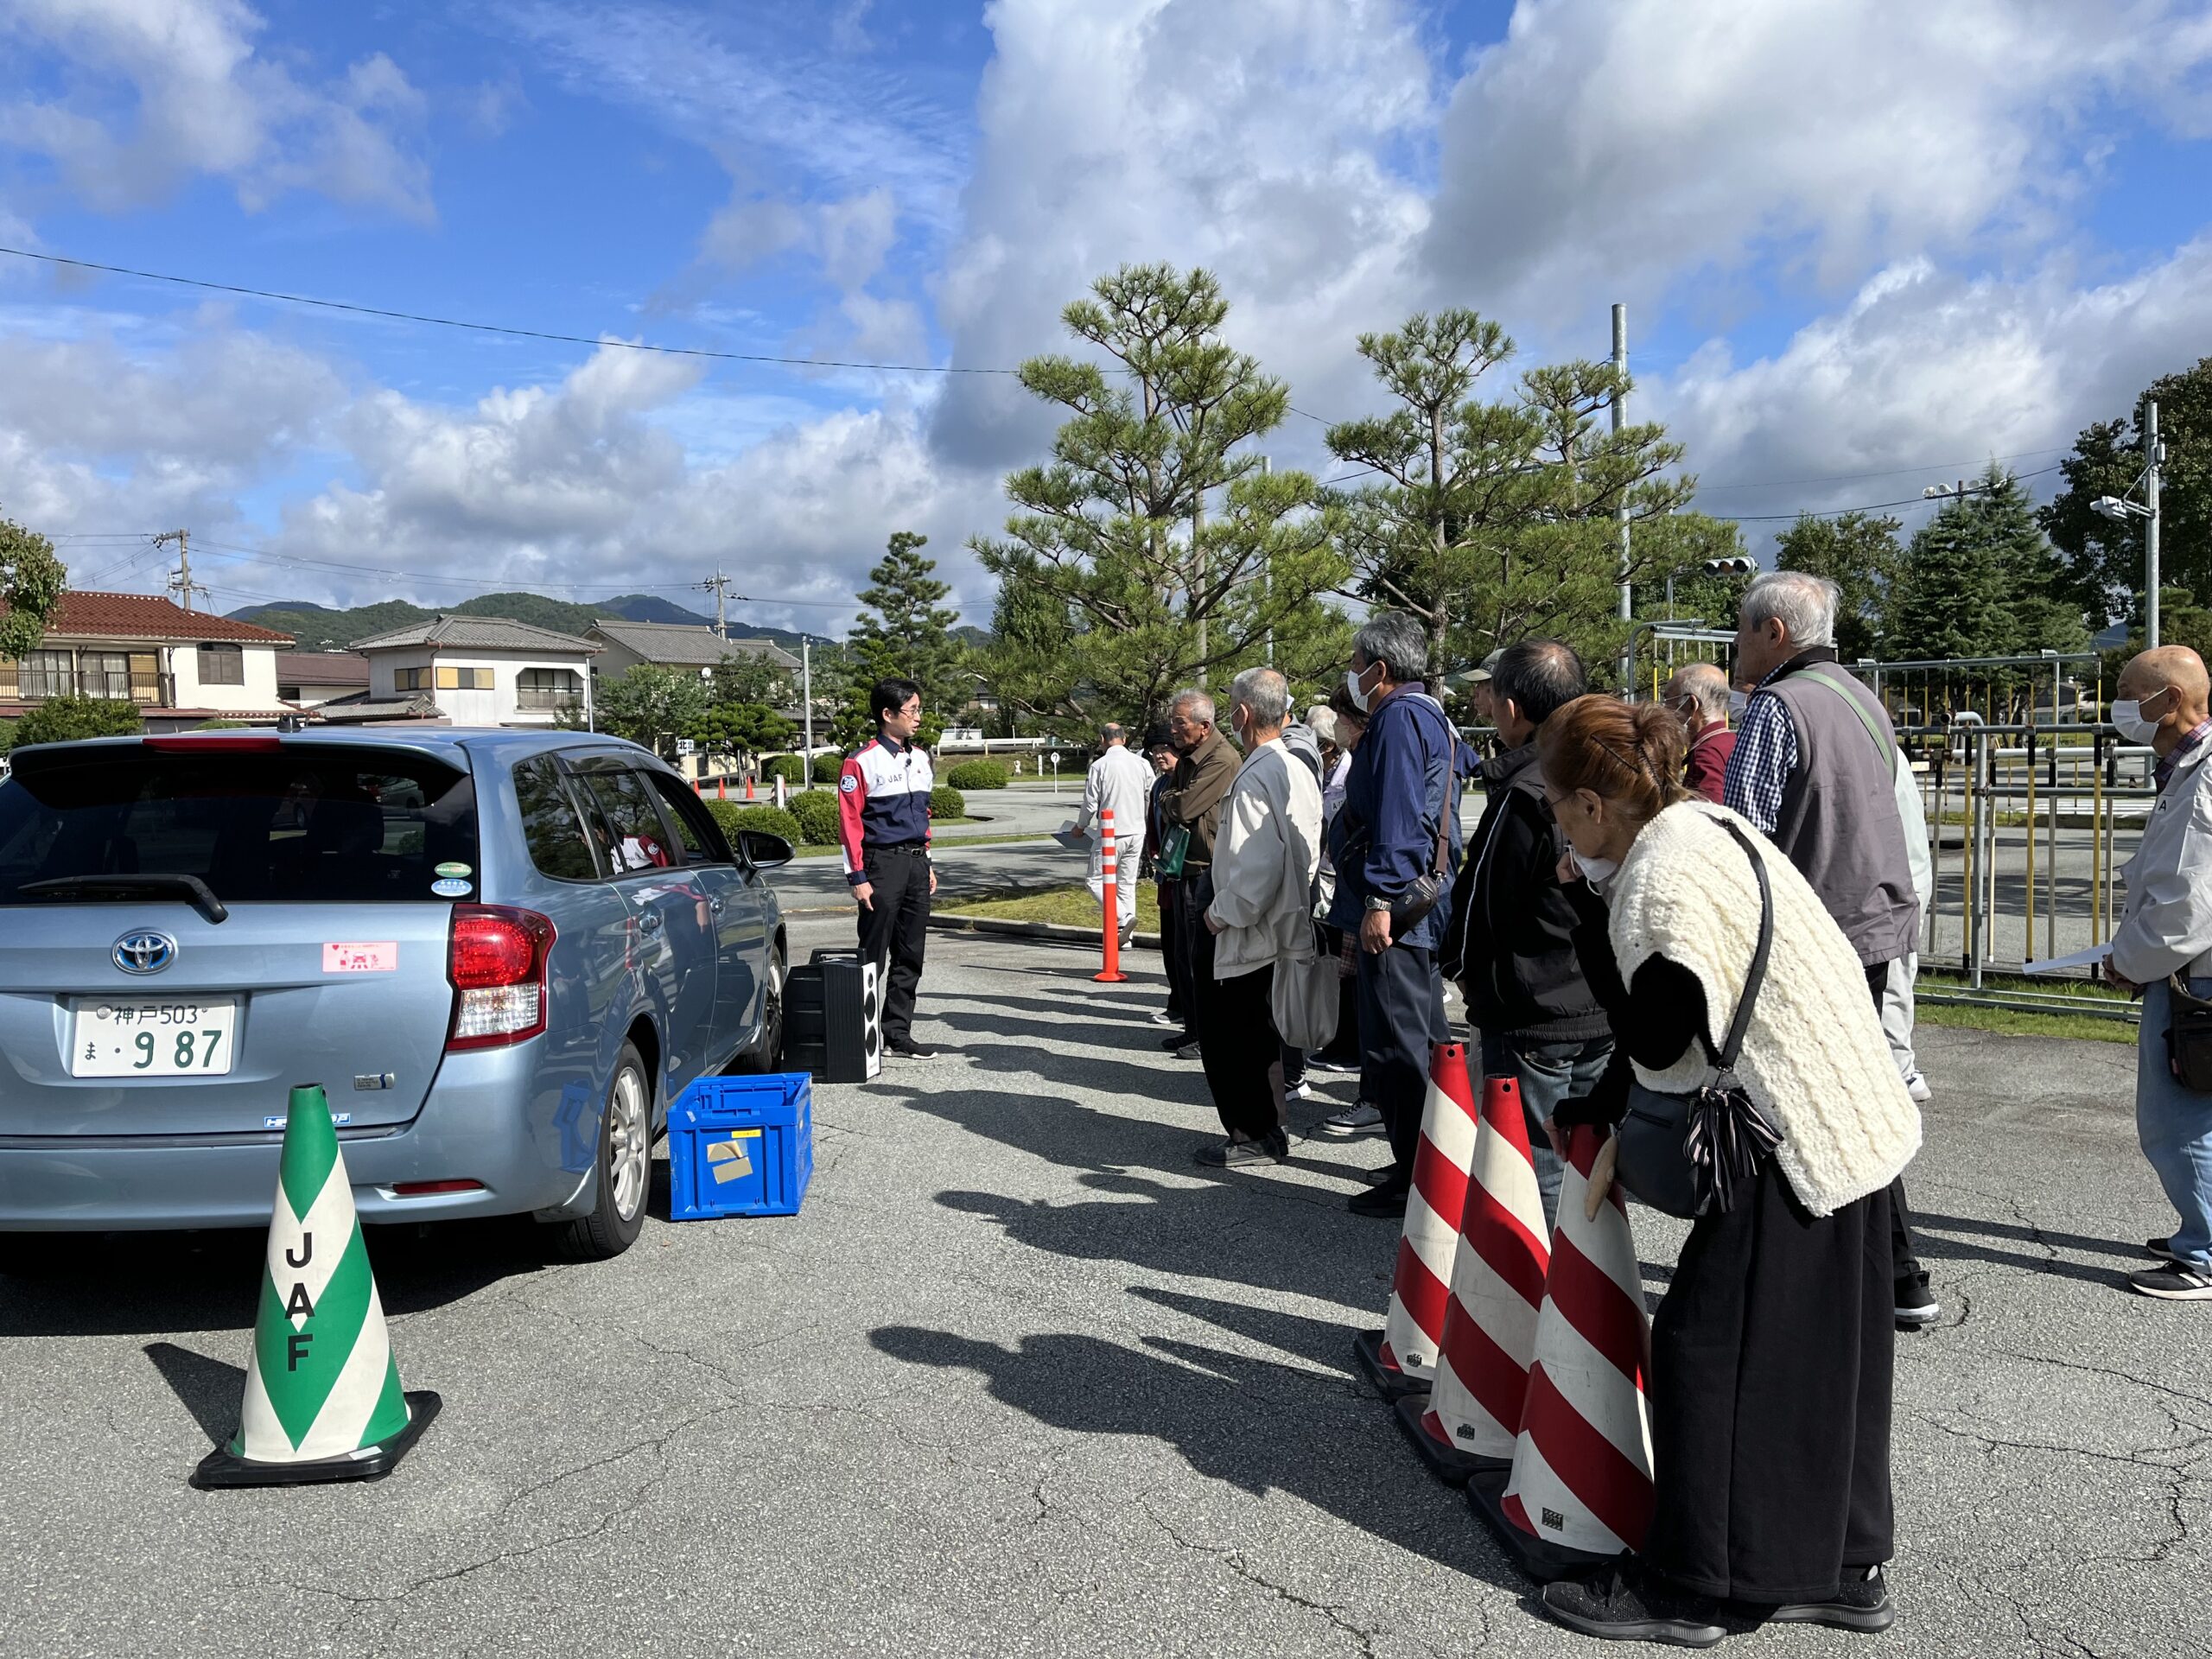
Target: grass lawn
pixel 1071 906
pixel 2089 1027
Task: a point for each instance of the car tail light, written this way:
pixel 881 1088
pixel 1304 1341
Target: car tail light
pixel 430 1189
pixel 497 963
pixel 201 743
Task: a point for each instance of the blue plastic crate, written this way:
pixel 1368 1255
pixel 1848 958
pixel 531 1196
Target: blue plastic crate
pixel 741 1147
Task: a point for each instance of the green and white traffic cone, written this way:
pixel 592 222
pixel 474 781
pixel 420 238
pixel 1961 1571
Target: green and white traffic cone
pixel 323 1395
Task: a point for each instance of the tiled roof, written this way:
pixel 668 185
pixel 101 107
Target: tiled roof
pixel 477 634
pixel 148 616
pixel 686 643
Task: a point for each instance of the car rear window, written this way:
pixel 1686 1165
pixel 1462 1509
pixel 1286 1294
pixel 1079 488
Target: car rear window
pixel 339 825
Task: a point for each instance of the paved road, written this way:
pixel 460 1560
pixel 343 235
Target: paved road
pixel 1019 1380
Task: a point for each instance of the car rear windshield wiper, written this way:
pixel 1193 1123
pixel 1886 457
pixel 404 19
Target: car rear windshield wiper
pixel 131 887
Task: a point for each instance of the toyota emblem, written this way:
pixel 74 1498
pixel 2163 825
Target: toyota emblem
pixel 144 953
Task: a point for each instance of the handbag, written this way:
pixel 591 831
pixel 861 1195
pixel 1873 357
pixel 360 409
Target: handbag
pixel 1693 1155
pixel 2189 1036
pixel 1173 846
pixel 1304 998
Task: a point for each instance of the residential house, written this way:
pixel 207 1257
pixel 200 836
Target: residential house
pixel 676 644
pixel 180 667
pixel 306 678
pixel 471 670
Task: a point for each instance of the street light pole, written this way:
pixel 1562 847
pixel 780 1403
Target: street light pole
pixel 2150 525
pixel 1620 420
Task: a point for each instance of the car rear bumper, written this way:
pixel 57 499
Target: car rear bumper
pixel 494 1115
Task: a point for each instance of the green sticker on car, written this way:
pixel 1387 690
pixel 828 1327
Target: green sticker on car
pixel 452 870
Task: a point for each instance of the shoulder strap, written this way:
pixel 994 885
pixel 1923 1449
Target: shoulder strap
pixel 1733 1047
pixel 1874 731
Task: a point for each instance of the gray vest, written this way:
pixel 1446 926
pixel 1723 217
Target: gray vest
pixel 1839 824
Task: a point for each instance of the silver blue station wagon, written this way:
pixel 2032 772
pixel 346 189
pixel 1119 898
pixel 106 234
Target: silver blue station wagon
pixel 501 954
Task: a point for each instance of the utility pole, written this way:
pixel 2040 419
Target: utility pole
pixel 1199 578
pixel 806 700
pixel 1267 580
pixel 2150 459
pixel 180 582
pixel 719 584
pixel 1620 421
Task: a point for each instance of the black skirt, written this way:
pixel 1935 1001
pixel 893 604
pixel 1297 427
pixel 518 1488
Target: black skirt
pixel 1771 1359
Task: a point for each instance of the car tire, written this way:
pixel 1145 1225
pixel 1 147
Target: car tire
pixel 767 1051
pixel 622 1175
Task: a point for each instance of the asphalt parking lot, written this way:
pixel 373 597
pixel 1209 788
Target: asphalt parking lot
pixel 1020 1379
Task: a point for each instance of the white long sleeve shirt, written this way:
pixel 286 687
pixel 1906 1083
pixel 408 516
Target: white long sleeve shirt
pixel 1263 862
pixel 2167 925
pixel 1119 781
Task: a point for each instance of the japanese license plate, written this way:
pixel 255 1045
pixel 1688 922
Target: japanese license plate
pixel 152 1037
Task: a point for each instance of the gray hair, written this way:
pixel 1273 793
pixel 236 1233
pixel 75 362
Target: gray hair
pixel 1321 721
pixel 1802 603
pixel 1199 704
pixel 1393 637
pixel 1265 695
pixel 1704 684
pixel 1111 734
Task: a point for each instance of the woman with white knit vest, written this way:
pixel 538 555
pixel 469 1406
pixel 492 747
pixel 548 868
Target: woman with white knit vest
pixel 1771 1352
pixel 1259 909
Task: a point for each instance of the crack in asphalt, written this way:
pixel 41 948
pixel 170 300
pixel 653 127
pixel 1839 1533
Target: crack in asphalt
pixel 1238 1562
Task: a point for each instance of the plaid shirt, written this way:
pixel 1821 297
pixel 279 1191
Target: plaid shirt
pixel 1766 753
pixel 2162 774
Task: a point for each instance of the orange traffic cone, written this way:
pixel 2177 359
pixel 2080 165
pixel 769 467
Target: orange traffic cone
pixel 1401 1356
pixel 748 786
pixel 1471 1417
pixel 722 789
pixel 1580 1489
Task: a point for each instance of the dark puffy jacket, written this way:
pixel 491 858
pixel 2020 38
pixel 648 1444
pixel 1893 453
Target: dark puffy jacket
pixel 1400 786
pixel 1509 941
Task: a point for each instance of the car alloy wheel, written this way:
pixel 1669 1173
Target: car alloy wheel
pixel 629 1142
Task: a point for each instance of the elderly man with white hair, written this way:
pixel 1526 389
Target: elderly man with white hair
pixel 1815 767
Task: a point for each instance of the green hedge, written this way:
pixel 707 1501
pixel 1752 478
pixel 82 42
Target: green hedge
pixel 789 767
pixel 827 768
pixel 816 813
pixel 734 816
pixel 977 774
pixel 947 804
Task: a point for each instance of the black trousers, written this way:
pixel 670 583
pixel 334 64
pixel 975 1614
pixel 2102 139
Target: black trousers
pixel 1401 1015
pixel 1171 952
pixel 1239 1047
pixel 1772 1362
pixel 1904 1265
pixel 894 928
pixel 1193 893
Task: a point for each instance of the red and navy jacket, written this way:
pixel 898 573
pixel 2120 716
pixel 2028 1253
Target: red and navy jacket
pixel 883 800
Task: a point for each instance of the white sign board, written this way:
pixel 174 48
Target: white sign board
pixel 685 746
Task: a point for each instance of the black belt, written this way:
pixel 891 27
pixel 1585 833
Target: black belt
pixel 911 849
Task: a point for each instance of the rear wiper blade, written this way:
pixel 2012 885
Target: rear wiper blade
pixel 130 886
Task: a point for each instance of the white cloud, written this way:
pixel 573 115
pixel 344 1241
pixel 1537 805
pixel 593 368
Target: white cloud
pixel 162 89
pixel 1607 149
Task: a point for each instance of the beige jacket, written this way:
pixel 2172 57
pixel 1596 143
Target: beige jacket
pixel 1263 860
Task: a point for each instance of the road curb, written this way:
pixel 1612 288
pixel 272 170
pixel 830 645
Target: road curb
pixel 1053 932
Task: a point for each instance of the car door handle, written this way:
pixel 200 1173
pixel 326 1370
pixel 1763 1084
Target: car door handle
pixel 716 906
pixel 650 921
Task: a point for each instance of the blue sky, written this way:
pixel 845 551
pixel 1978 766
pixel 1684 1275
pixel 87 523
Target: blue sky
pixel 1856 236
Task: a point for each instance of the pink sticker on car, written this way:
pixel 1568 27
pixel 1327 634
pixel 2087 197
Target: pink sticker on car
pixel 380 958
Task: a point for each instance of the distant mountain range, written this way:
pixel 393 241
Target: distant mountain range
pixel 318 627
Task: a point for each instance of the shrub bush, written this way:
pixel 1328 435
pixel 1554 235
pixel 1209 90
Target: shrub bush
pixel 61 720
pixel 977 774
pixel 734 816
pixel 827 768
pixel 818 816
pixel 947 804
pixel 789 767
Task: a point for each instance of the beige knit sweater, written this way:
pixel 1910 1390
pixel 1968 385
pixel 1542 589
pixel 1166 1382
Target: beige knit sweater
pixel 1814 1054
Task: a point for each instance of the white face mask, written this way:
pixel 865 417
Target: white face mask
pixel 2127 715
pixel 1351 688
pixel 1596 871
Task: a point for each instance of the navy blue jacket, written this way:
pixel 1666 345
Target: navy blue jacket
pixel 1402 781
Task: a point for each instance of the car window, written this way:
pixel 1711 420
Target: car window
pixel 339 824
pixel 640 838
pixel 701 838
pixel 560 846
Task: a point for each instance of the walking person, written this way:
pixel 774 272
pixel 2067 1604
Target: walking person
pixel 1119 783
pixel 1397 846
pixel 1510 945
pixel 1698 693
pixel 883 826
pixel 1190 810
pixel 1261 912
pixel 1772 1352
pixel 2163 948
pixel 1814 768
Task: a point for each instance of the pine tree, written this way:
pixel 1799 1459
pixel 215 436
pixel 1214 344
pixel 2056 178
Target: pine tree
pixel 1980 580
pixel 1858 553
pixel 906 633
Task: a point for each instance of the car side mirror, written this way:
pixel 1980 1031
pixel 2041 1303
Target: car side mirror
pixel 762 850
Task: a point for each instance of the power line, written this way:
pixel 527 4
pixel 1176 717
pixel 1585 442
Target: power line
pixel 1837 513
pixel 1893 472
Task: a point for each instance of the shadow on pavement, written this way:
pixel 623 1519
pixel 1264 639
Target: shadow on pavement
pixel 2014 1230
pixel 1932 1246
pixel 211 1390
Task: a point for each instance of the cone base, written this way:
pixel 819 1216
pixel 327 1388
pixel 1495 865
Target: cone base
pixel 222 1469
pixel 1544 1562
pixel 1445 1461
pixel 1387 1380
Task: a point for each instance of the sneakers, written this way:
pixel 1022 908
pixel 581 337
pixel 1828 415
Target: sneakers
pixel 1167 1017
pixel 1613 1609
pixel 1240 1155
pixel 1386 1199
pixel 2175 1281
pixel 1915 1307
pixel 907 1048
pixel 2161 1247
pixel 1353 1120
pixel 1177 1041
pixel 1917 1086
pixel 1296 1091
pixel 1189 1051
pixel 1861 1604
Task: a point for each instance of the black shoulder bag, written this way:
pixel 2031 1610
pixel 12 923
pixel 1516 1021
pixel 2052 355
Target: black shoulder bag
pixel 1693 1155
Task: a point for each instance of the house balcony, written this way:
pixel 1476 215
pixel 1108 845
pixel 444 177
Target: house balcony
pixel 18 685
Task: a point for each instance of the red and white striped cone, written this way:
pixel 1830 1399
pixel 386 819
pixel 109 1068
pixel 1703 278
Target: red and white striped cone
pixel 1109 972
pixel 1471 1418
pixel 1401 1357
pixel 1580 1491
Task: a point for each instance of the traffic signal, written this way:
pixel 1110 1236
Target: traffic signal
pixel 1737 567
